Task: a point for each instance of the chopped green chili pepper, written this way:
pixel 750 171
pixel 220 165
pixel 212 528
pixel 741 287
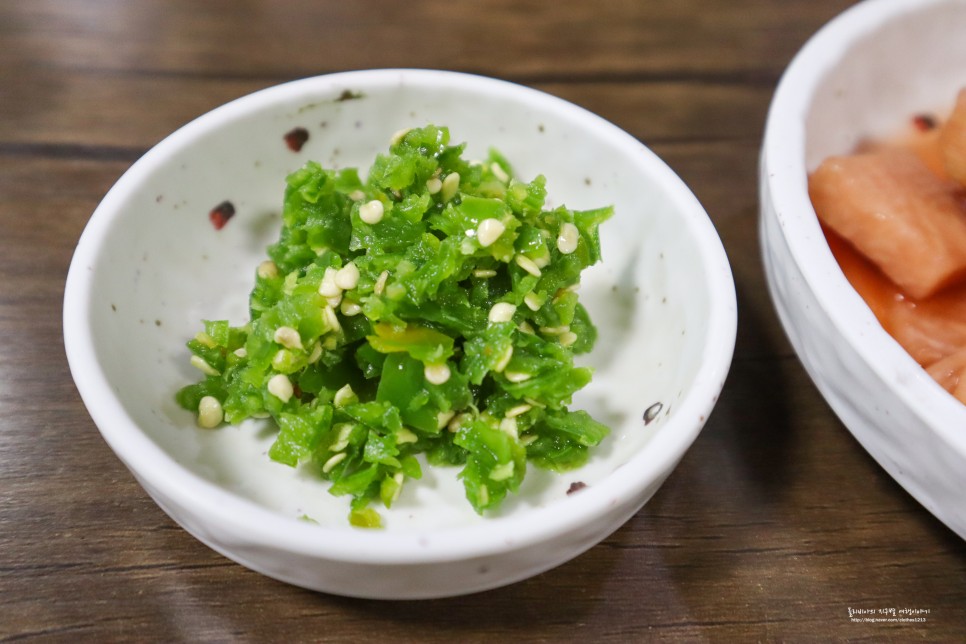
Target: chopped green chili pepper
pixel 428 310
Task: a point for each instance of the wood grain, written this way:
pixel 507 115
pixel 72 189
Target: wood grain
pixel 775 522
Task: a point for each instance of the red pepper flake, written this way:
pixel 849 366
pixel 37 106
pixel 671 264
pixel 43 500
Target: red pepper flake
pixel 576 486
pixel 220 214
pixel 296 138
pixel 924 122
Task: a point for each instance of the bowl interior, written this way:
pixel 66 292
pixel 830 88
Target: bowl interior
pixel 913 62
pixel 158 268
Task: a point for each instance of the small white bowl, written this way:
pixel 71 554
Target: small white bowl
pixel 150 266
pixel 864 75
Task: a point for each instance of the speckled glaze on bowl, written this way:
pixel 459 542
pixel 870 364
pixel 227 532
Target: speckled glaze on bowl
pixel 149 267
pixel 863 75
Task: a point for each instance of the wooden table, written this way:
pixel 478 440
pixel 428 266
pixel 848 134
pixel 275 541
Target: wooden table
pixel 773 526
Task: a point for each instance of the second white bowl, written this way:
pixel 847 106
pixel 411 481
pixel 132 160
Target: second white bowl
pixel 864 75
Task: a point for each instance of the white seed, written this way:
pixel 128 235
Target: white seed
pixel 347 277
pixel 316 353
pixel 210 413
pixel 568 238
pixel 344 432
pixel 450 186
pixel 267 269
pixel 489 230
pixel 554 330
pixel 543 261
pixel 350 308
pixel 405 435
pixel 241 352
pixel 399 135
pixel 443 418
pixel 288 337
pixel 331 319
pixel 380 284
pixel 568 338
pixel 504 359
pixel 372 212
pixel 357 195
pixel 332 462
pixel 535 403
pixel 527 264
pixel 501 312
pixel 509 426
pixel 533 301
pixel 499 172
pixel 334 301
pixel 516 376
pixel 436 374
pixel 434 185
pixel 484 273
pixel 328 287
pixel 344 396
pixel 198 363
pixel 526 328
pixel 529 438
pixel 513 412
pixel 398 478
pixel 281 387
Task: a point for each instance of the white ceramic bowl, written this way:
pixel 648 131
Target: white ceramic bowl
pixel 150 266
pixel 865 74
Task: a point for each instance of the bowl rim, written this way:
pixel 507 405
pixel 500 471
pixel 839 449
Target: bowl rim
pixel 784 171
pixel 156 470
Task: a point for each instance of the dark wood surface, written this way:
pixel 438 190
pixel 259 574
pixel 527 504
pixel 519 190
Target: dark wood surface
pixel 775 523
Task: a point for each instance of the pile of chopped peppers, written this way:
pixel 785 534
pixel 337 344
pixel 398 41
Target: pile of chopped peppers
pixel 431 310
